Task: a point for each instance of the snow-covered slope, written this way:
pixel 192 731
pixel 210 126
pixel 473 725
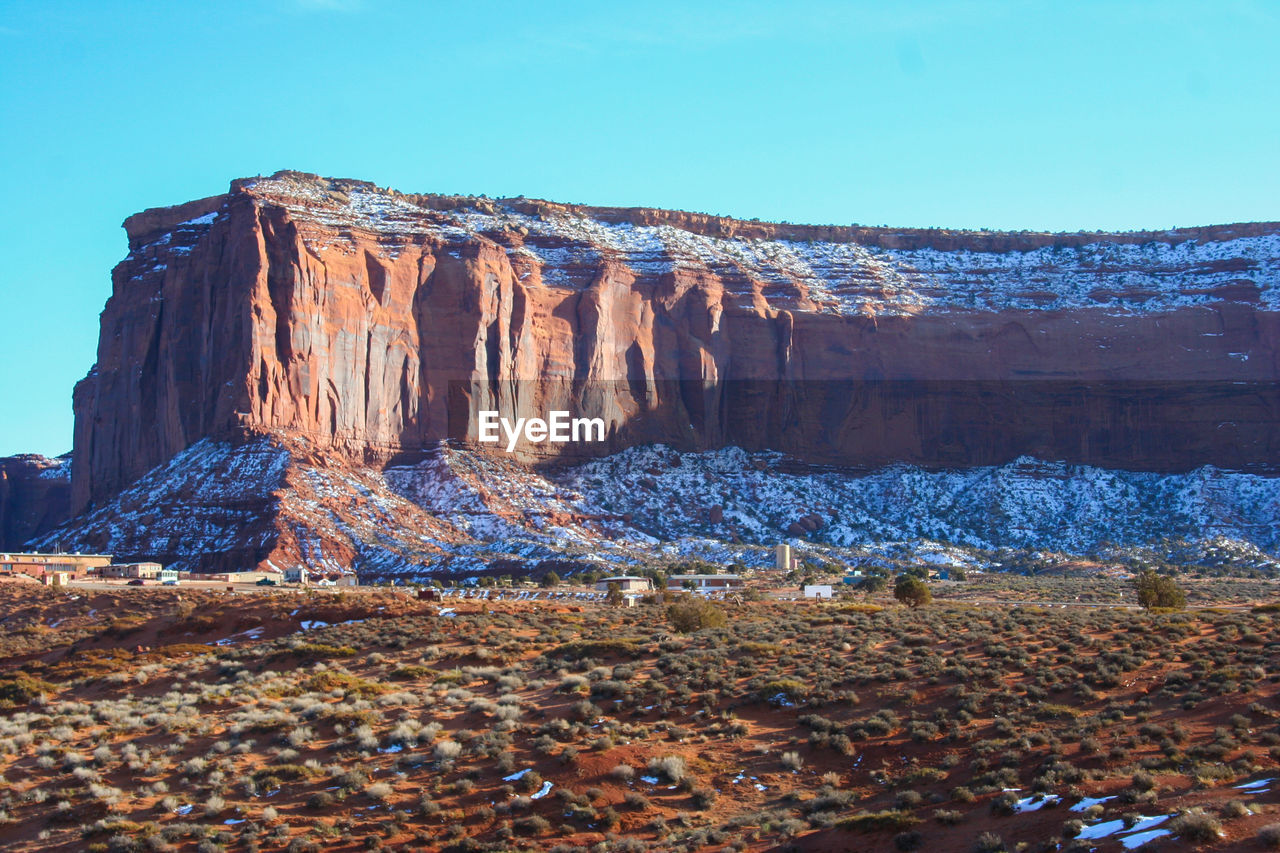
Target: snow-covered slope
pixel 266 503
pixel 276 502
pixel 1025 504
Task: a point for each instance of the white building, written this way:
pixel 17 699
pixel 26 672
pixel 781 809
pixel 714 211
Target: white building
pixel 626 583
pixel 704 582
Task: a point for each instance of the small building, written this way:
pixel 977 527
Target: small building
pixel 37 565
pixel 818 590
pixel 252 576
pixel 167 576
pixel 144 571
pixel 703 583
pixel 296 575
pixel 626 583
pixel 55 578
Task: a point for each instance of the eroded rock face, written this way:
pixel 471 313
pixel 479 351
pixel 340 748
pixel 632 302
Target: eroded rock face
pixel 35 496
pixel 348 315
pixel 270 502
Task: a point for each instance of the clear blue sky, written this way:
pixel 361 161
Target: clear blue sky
pixel 968 114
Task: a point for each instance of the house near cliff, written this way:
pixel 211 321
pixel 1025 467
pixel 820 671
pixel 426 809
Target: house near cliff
pixel 143 571
pixel 75 566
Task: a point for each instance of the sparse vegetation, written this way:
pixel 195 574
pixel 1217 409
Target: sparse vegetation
pixel 694 614
pixel 912 591
pixel 601 722
pixel 1159 591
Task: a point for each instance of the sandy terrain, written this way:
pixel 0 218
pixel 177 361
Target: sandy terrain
pixel 158 718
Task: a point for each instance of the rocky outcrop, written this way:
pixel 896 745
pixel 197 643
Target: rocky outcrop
pixel 35 496
pixel 269 502
pixel 372 323
pixel 275 502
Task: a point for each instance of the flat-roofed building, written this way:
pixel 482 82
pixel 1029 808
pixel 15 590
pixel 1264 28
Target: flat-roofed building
pixel 146 571
pixel 36 565
pixel 626 583
pixel 704 582
pixel 252 576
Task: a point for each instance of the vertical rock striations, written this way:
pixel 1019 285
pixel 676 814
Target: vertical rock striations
pixel 342 313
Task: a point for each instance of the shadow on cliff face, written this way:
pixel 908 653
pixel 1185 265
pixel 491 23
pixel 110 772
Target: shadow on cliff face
pixel 856 425
pixel 35 497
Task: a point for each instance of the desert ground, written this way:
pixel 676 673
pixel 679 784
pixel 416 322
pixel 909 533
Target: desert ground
pixel 198 719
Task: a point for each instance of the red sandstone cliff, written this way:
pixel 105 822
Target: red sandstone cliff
pixel 35 496
pixel 341 313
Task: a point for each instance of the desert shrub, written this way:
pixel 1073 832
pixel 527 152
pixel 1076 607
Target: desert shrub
pixel 585 710
pixel 876 821
pixel 447 750
pixel 1196 825
pixel 988 842
pixel 910 840
pixel 351 685
pixel 670 768
pixel 316 651
pixel 792 761
pixel 21 688
pixel 783 690
pixel 1004 804
pixel 581 649
pixel 1269 836
pixel 694 614
pixel 1235 809
pixel 908 799
pixel 703 798
pixel 948 816
pixel 573 684
pixel 352 779
pixel 531 825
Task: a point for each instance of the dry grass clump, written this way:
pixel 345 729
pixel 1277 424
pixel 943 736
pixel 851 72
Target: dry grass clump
pixel 460 732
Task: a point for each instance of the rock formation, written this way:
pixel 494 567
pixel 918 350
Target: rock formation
pixel 35 495
pixel 369 321
pixel 349 329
